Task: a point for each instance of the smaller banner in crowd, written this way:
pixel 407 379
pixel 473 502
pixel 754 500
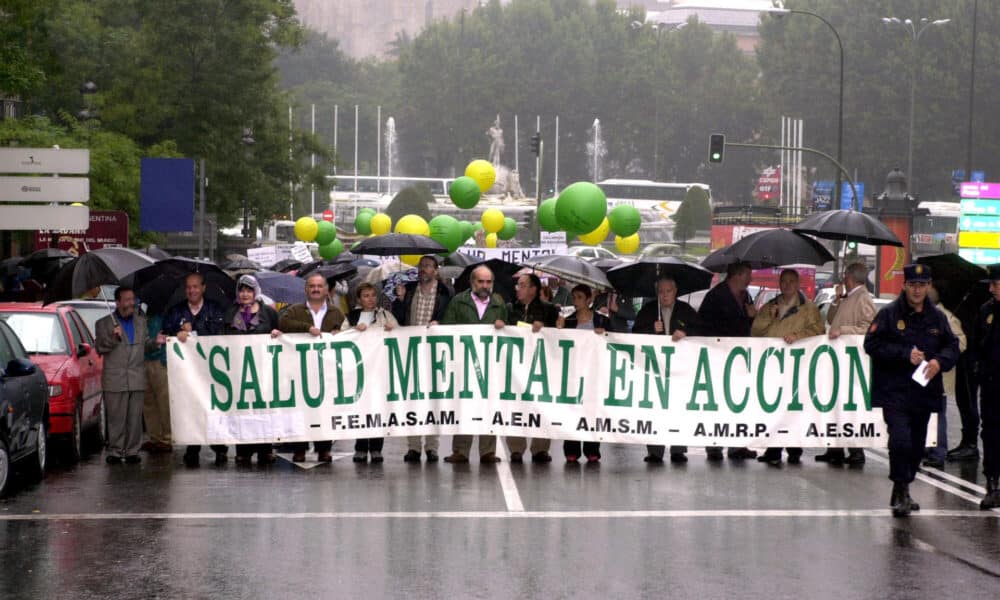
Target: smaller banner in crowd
pixel 559 384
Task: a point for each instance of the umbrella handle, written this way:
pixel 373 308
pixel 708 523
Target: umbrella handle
pixel 110 312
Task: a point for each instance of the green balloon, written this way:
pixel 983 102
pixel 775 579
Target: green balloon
pixel 368 210
pixel 547 216
pixel 509 229
pixel 464 192
pixel 331 250
pixel 363 222
pixel 326 233
pixel 468 230
pixel 447 231
pixel 624 220
pixel 581 207
pixel 477 226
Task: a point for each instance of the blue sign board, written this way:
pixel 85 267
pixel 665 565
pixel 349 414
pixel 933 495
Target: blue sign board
pixel 847 198
pixel 167 194
pixel 977 206
pixel 958 176
pixel 822 193
pixel 980 256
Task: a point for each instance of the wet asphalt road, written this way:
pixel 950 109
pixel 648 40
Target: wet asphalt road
pixel 623 529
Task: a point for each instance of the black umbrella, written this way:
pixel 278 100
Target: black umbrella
pixel 460 259
pixel 638 279
pixel 45 263
pixel 157 253
pixel 954 277
pixel 770 248
pixel 503 277
pixel 286 265
pixel 105 266
pixel 571 268
pixel 9 266
pixel 281 287
pixel 333 271
pixel 849 226
pixel 241 264
pixel 161 285
pixel 395 244
pixel 606 264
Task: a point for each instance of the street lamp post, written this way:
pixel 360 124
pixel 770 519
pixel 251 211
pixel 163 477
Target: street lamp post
pixel 248 143
pixel 779 9
pixel 915 32
pixel 658 29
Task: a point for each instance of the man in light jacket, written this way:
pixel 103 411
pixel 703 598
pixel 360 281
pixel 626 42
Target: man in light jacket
pixel 851 313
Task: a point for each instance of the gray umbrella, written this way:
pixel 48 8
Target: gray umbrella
pixel 571 268
pixel 395 244
pixel 849 226
pixel 105 266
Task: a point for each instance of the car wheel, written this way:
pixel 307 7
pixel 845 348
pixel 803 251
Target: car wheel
pixel 4 468
pixel 74 448
pixel 36 462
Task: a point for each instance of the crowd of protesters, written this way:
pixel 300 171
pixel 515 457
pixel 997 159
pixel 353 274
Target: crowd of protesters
pixel 913 331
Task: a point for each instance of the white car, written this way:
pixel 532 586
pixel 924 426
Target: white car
pixel 591 253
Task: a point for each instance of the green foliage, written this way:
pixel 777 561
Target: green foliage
pixel 411 200
pixel 190 74
pixel 694 214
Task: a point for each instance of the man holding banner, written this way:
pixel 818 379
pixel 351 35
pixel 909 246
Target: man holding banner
pixel 910 344
pixel 476 307
pixel 316 316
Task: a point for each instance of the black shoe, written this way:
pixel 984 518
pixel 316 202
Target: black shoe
pixel 192 460
pixel 771 458
pixel 653 459
pixel 901 503
pixel 964 453
pixel 933 463
pixel 516 458
pixel 794 459
pixel 713 454
pixel 831 455
pixel 678 457
pixel 133 460
pixel 856 458
pixel 432 456
pixel 992 498
pixel 741 454
pixel 222 458
pixel 113 460
pixel 541 457
pixel 412 456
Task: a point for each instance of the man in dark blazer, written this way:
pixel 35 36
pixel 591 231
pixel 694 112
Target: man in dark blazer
pixel 728 311
pixel 667 316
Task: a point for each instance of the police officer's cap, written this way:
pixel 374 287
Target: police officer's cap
pixel 917 273
pixel 993 273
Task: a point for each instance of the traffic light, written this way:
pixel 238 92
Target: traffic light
pixel 716 147
pixel 536 143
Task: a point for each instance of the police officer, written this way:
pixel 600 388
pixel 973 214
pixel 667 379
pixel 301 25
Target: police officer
pixel 987 359
pixel 906 336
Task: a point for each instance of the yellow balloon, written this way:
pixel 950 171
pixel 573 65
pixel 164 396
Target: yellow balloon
pixel 491 240
pixel 413 224
pixel 492 220
pixel 627 245
pixel 381 224
pixel 306 229
pixel 483 172
pixel 598 235
pixel 411 259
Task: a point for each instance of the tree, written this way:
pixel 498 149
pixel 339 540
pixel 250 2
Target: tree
pixel 411 200
pixel 694 215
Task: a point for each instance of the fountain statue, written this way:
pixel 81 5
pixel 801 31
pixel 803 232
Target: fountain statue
pixel 495 134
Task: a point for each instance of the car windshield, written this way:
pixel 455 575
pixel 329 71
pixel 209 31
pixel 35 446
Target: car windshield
pixel 41 333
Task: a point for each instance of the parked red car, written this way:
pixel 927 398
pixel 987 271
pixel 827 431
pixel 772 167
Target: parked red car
pixel 59 341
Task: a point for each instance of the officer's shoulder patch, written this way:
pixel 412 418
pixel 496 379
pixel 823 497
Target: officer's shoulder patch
pixel 873 328
pixel 901 325
pixel 989 319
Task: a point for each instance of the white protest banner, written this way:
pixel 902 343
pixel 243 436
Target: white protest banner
pixel 512 255
pixel 560 384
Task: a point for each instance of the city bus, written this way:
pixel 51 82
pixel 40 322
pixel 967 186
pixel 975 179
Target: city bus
pixel 656 201
pixel 935 228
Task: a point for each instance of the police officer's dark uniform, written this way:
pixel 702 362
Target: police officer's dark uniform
pixel 987 359
pixel 906 406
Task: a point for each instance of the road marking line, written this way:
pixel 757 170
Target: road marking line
pixel 934 482
pixel 619 514
pixel 510 494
